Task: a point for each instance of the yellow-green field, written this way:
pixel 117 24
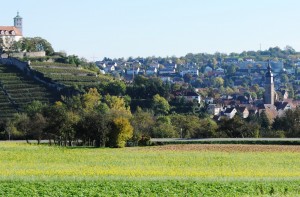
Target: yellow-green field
pixel 186 164
pixel 177 161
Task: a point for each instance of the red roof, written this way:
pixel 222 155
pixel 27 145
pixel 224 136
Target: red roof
pixel 10 30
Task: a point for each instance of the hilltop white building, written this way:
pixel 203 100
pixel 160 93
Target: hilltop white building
pixel 10 34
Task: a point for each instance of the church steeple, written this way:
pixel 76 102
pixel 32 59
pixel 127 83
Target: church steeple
pixel 269 95
pixel 18 23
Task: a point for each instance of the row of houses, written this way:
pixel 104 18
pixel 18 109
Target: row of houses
pixel 137 67
pixel 249 72
pixel 244 106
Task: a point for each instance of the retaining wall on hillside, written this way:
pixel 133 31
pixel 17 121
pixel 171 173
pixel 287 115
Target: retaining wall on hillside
pixel 29 54
pixel 23 66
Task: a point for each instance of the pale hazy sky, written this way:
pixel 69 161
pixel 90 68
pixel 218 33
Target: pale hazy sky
pixel 123 28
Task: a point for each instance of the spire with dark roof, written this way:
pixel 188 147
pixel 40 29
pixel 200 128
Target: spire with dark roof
pixel 269 95
pixel 269 71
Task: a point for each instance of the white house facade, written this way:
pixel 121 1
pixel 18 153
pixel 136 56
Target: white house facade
pixel 9 34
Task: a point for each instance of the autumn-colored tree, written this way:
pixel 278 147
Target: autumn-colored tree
pixel 160 105
pixel 117 107
pixel 121 132
pixel 91 100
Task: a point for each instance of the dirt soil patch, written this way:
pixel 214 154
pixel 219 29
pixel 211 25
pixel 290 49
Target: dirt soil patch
pixel 227 148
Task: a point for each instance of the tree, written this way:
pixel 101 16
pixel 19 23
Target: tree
pixel 142 122
pixel 219 82
pixel 291 90
pixel 164 130
pixel 114 102
pixel 94 126
pixel 68 130
pixel 121 131
pixel 187 77
pixel 290 50
pixel 37 125
pixel 23 124
pixel 186 125
pixel 289 122
pixel 264 120
pixel 117 107
pixel 116 87
pixel 160 105
pixel 9 45
pixel 35 107
pixel 56 117
pixel 10 129
pixel 284 78
pixel 214 63
pixel 237 127
pixel 91 100
pixel 231 69
pixel 207 129
pixel 35 44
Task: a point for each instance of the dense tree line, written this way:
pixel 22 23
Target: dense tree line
pixel 95 120
pixel 87 119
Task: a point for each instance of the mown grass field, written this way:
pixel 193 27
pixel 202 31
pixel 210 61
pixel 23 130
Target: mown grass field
pixel 172 170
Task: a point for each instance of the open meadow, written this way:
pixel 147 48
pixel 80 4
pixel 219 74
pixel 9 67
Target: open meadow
pixel 170 170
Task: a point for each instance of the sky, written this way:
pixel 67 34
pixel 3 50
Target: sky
pixel 95 29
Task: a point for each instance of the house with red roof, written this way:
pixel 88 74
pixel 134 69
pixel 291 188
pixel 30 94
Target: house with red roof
pixel 9 34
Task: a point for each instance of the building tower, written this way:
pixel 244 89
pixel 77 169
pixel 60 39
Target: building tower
pixel 269 95
pixel 18 23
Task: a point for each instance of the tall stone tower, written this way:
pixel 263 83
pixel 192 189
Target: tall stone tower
pixel 18 23
pixel 269 87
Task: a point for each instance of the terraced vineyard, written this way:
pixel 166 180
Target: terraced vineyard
pixel 17 90
pixel 68 74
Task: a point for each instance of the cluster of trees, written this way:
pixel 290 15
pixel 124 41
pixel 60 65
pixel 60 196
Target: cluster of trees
pixel 288 125
pixel 34 44
pixel 80 62
pixel 26 44
pixel 89 119
pixel 94 120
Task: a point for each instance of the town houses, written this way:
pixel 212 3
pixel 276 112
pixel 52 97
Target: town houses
pixel 264 93
pixel 245 106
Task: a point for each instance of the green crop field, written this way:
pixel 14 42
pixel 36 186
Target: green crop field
pixel 171 170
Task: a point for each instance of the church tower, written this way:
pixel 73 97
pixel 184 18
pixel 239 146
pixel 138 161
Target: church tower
pixel 269 87
pixel 18 23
